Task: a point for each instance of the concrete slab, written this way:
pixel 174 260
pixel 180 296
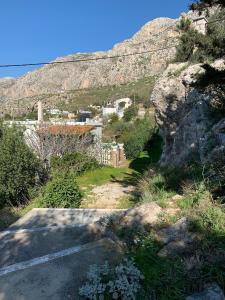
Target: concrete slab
pixel 58 279
pixel 41 217
pixel 21 246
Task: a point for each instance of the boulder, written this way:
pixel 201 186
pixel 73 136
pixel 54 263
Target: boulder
pixel 177 231
pixel 145 214
pixel 211 292
pixel 176 239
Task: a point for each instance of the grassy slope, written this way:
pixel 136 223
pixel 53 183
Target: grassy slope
pixel 78 99
pixel 101 176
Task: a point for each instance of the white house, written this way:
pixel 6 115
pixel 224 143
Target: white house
pixel 123 103
pixel 200 24
pixel 107 111
pixel 119 106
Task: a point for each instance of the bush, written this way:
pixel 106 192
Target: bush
pixel 201 5
pixel 135 140
pixel 18 167
pixel 113 118
pixel 121 282
pixel 77 162
pixel 209 220
pixel 130 113
pixel 152 188
pixel 62 191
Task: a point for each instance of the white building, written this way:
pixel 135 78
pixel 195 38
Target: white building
pixel 56 112
pixel 122 103
pixel 119 106
pixel 107 111
pixel 200 24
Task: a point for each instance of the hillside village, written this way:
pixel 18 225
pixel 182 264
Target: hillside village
pixel 112 172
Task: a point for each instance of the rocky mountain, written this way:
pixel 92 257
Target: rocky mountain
pixel 53 81
pixel 190 116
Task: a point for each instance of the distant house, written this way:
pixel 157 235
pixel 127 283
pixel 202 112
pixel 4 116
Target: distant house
pixel 84 115
pixel 118 108
pixel 200 24
pixel 123 103
pixel 56 112
pixel 107 111
pixel 66 130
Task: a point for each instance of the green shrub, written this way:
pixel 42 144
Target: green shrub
pixel 152 188
pixel 114 118
pixel 19 168
pixel 133 145
pixel 136 139
pixel 62 191
pixel 130 113
pixel 176 177
pixel 77 162
pixel 211 220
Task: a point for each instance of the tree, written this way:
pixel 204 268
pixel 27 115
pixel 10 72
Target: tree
pixel 185 24
pixel 130 113
pixel 200 5
pixel 197 47
pixel 19 167
pixel 46 144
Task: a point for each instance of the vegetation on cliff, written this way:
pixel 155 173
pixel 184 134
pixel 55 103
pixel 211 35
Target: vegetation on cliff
pixel 197 47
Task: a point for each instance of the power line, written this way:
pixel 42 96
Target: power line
pixel 87 59
pixel 97 58
pixel 105 57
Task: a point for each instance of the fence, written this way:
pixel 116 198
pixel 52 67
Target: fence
pixel 109 154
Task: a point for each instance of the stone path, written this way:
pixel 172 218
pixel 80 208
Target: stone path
pixel 107 195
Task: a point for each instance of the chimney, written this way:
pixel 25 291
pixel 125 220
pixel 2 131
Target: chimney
pixel 40 111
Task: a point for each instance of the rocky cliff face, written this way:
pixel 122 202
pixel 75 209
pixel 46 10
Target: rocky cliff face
pixel 186 115
pixel 61 78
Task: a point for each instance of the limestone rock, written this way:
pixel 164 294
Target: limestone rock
pixel 182 113
pixel 211 292
pixel 175 248
pixel 174 232
pixel 177 197
pixel 141 215
pixel 176 239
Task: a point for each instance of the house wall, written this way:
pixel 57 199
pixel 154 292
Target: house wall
pixel 106 111
pixel 200 25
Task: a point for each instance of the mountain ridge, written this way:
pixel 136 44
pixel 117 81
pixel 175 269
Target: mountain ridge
pixel 60 78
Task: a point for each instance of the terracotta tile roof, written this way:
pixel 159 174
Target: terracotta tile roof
pixel 67 129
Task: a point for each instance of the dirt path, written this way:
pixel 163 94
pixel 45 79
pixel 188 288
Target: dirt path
pixel 107 195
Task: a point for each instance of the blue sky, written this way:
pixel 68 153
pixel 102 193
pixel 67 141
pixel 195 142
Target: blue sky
pixel 41 30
